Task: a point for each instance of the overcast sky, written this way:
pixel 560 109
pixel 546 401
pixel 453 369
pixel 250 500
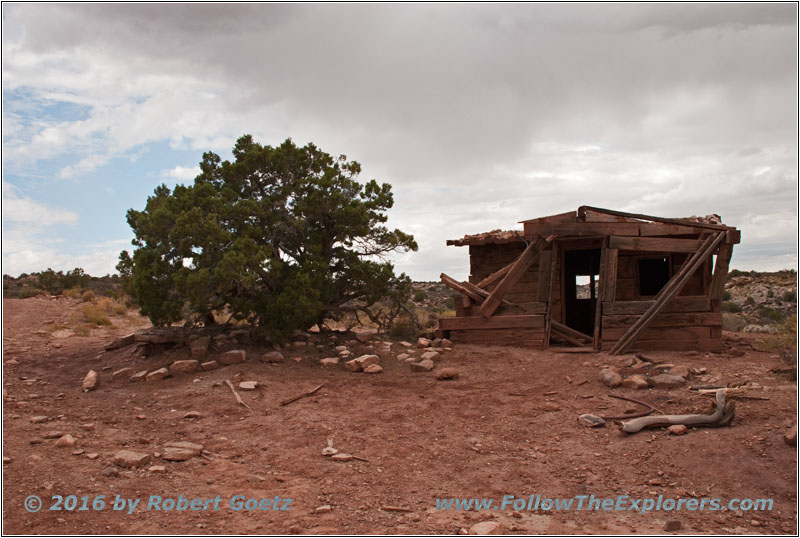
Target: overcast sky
pixel 479 115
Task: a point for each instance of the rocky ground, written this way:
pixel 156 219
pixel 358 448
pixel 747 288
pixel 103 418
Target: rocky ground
pixel 502 421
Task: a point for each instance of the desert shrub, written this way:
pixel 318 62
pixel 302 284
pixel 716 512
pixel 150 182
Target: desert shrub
pixel 451 303
pixel 55 282
pixel 726 295
pixel 72 293
pixel 770 293
pixel 119 309
pixel 783 343
pixel 770 314
pixel 750 301
pixel 733 273
pixel 419 296
pixel 403 327
pixel 728 306
pixel 28 291
pixel 96 315
pixel 790 296
pixel 87 295
pixel 81 330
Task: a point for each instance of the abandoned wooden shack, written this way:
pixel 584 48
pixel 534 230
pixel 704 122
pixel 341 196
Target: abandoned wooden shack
pixel 595 279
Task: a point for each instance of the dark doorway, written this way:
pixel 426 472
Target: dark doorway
pixel 653 275
pixel 581 286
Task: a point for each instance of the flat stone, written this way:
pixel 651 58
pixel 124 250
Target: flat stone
pixel 790 437
pixel 329 361
pixel 635 381
pixel 53 434
pixel 139 376
pixel 39 419
pixel 486 527
pixel 248 385
pixel 423 342
pixel 446 373
pixel 235 356
pixel 373 369
pixel 340 348
pixel 177 454
pixel 109 471
pixel 403 356
pixel 192 415
pixel 610 378
pixel 550 406
pixel 123 373
pixel 590 421
pixel 209 365
pixel 680 370
pixel 158 469
pixel 130 459
pixel 194 447
pixel 157 375
pixel 422 366
pixel 91 381
pixel 666 381
pixel 78 452
pixel 447 343
pixel 324 509
pixel 678 429
pixel 430 355
pixel 406 344
pixel 672 525
pixel 354 365
pixel 184 367
pixel 65 440
pixel 366 360
pixel 92 456
pixel 273 357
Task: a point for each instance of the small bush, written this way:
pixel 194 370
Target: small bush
pixel 95 315
pixel 403 328
pixel 784 342
pixel 27 291
pixel 750 301
pixel 770 314
pixel 87 296
pixel 790 296
pixel 726 296
pixel 81 330
pixel 728 306
pixel 733 273
pixel 770 293
pixel 72 293
pixel 419 296
pixel 119 309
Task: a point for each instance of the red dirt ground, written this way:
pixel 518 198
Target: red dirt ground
pixel 486 434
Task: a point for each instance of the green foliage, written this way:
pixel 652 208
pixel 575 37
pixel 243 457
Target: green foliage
pixel 56 282
pixel 750 301
pixel 96 315
pixel 770 293
pixel 731 307
pixel 770 314
pixel 27 291
pixel 790 296
pixel 784 342
pixel 420 295
pixel 726 295
pixel 280 237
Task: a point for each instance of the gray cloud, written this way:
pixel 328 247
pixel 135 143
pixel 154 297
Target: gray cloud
pixel 480 115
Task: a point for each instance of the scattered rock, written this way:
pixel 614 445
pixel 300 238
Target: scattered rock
pixel 194 447
pixel 590 421
pixel 678 429
pixel 184 367
pixel 109 471
pixel 403 356
pixel 373 369
pixel 53 435
pixel 199 347
pixel 65 440
pixel 157 375
pixel 92 456
pixel 329 361
pixel 157 469
pixel 39 419
pixel 329 451
pixel 235 356
pixel 666 381
pixel 130 459
pixel 354 365
pixel 273 357
pixel 123 373
pixel 248 385
pixel 340 348
pixel 486 527
pixel 680 370
pixel 429 355
pixel 324 509
pixel 635 381
pixel 422 366
pixel 366 360
pixel 91 381
pixel 446 373
pixel 790 437
pixel 672 525
pixel 209 365
pixel 177 454
pixel 423 342
pixel 610 378
pixel 625 361
pixel 192 415
pixel 88 426
pixel 447 343
pixel 550 406
pixel 78 452
pixel 364 337
pixel 406 344
pixel 6 460
pixel 139 376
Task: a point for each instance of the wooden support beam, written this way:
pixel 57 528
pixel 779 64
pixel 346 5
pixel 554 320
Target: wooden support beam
pixel 494 276
pixel 672 288
pixel 655 244
pixel 543 278
pixel 569 331
pixel 564 337
pixel 598 301
pixel 721 271
pixel 610 284
pixel 470 290
pixel 665 220
pixel 551 279
pixel 525 260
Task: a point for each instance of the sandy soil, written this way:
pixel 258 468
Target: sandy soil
pixel 507 425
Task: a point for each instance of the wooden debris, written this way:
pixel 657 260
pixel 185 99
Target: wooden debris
pixel 309 393
pixel 722 416
pixel 395 509
pixel 236 394
pixel 650 409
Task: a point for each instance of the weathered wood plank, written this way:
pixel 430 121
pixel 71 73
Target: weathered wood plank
pixel 530 321
pixel 609 291
pixel 677 304
pixel 665 320
pixel 661 333
pixel 550 310
pixel 600 229
pixel 654 244
pixel 543 278
pixel 497 275
pixel 598 316
pixel 460 288
pixel 720 271
pixel 569 331
pixel 665 220
pixel 672 288
pixel 527 258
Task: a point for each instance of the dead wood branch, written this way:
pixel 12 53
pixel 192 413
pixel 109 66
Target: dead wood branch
pixel 650 409
pixel 722 416
pixel 236 394
pixel 309 393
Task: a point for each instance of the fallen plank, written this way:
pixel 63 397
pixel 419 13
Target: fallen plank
pixel 525 260
pixel 309 393
pixel 560 327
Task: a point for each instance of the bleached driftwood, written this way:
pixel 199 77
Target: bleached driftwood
pixel 722 416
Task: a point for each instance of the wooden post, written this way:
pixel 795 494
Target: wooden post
pixel 672 288
pixel 598 301
pixel 610 284
pixel 720 271
pixel 549 315
pixel 526 259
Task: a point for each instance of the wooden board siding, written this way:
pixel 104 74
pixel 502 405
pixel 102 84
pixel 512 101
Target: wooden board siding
pixel 528 321
pixel 500 337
